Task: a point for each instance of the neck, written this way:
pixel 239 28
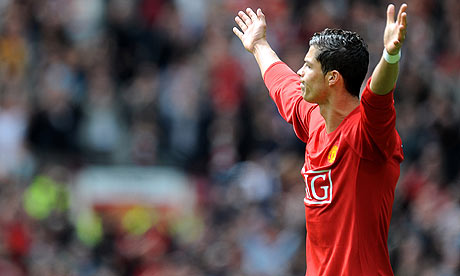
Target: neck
pixel 336 109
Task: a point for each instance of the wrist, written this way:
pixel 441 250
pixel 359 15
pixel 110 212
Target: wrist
pixel 391 59
pixel 260 46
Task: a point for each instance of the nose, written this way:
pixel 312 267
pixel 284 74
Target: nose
pixel 300 72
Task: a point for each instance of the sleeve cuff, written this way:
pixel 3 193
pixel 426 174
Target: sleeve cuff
pixel 269 69
pixel 375 100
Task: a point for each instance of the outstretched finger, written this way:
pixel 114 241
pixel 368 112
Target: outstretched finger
pixel 240 23
pixel 238 33
pixel 245 17
pixel 251 14
pixel 390 14
pixel 401 11
pixel 404 20
pixel 260 15
pixel 402 33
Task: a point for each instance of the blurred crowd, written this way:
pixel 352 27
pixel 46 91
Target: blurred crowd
pixel 166 83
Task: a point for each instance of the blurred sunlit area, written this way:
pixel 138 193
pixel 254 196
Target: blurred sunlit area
pixel 137 138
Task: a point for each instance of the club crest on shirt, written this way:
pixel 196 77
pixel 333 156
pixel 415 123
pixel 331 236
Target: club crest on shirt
pixel 318 186
pixel 332 154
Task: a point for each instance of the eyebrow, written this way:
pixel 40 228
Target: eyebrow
pixel 307 62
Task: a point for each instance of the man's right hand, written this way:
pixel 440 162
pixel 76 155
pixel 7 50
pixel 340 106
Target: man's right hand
pixel 253 28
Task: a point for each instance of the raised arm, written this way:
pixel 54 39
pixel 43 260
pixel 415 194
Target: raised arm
pixel 385 73
pixel 252 35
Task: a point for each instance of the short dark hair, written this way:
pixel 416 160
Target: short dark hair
pixel 344 51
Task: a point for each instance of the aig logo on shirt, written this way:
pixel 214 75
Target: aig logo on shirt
pixel 318 186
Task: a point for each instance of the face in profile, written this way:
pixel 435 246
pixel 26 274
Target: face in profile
pixel 312 80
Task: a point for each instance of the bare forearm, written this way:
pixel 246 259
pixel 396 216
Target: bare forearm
pixel 386 72
pixel 265 56
pixel 384 77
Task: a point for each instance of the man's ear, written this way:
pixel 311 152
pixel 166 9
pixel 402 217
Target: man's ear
pixel 333 77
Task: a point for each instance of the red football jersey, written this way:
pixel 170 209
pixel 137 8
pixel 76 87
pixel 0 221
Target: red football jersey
pixel 350 177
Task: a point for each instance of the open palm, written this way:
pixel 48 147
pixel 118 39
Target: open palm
pixel 253 27
pixel 395 31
